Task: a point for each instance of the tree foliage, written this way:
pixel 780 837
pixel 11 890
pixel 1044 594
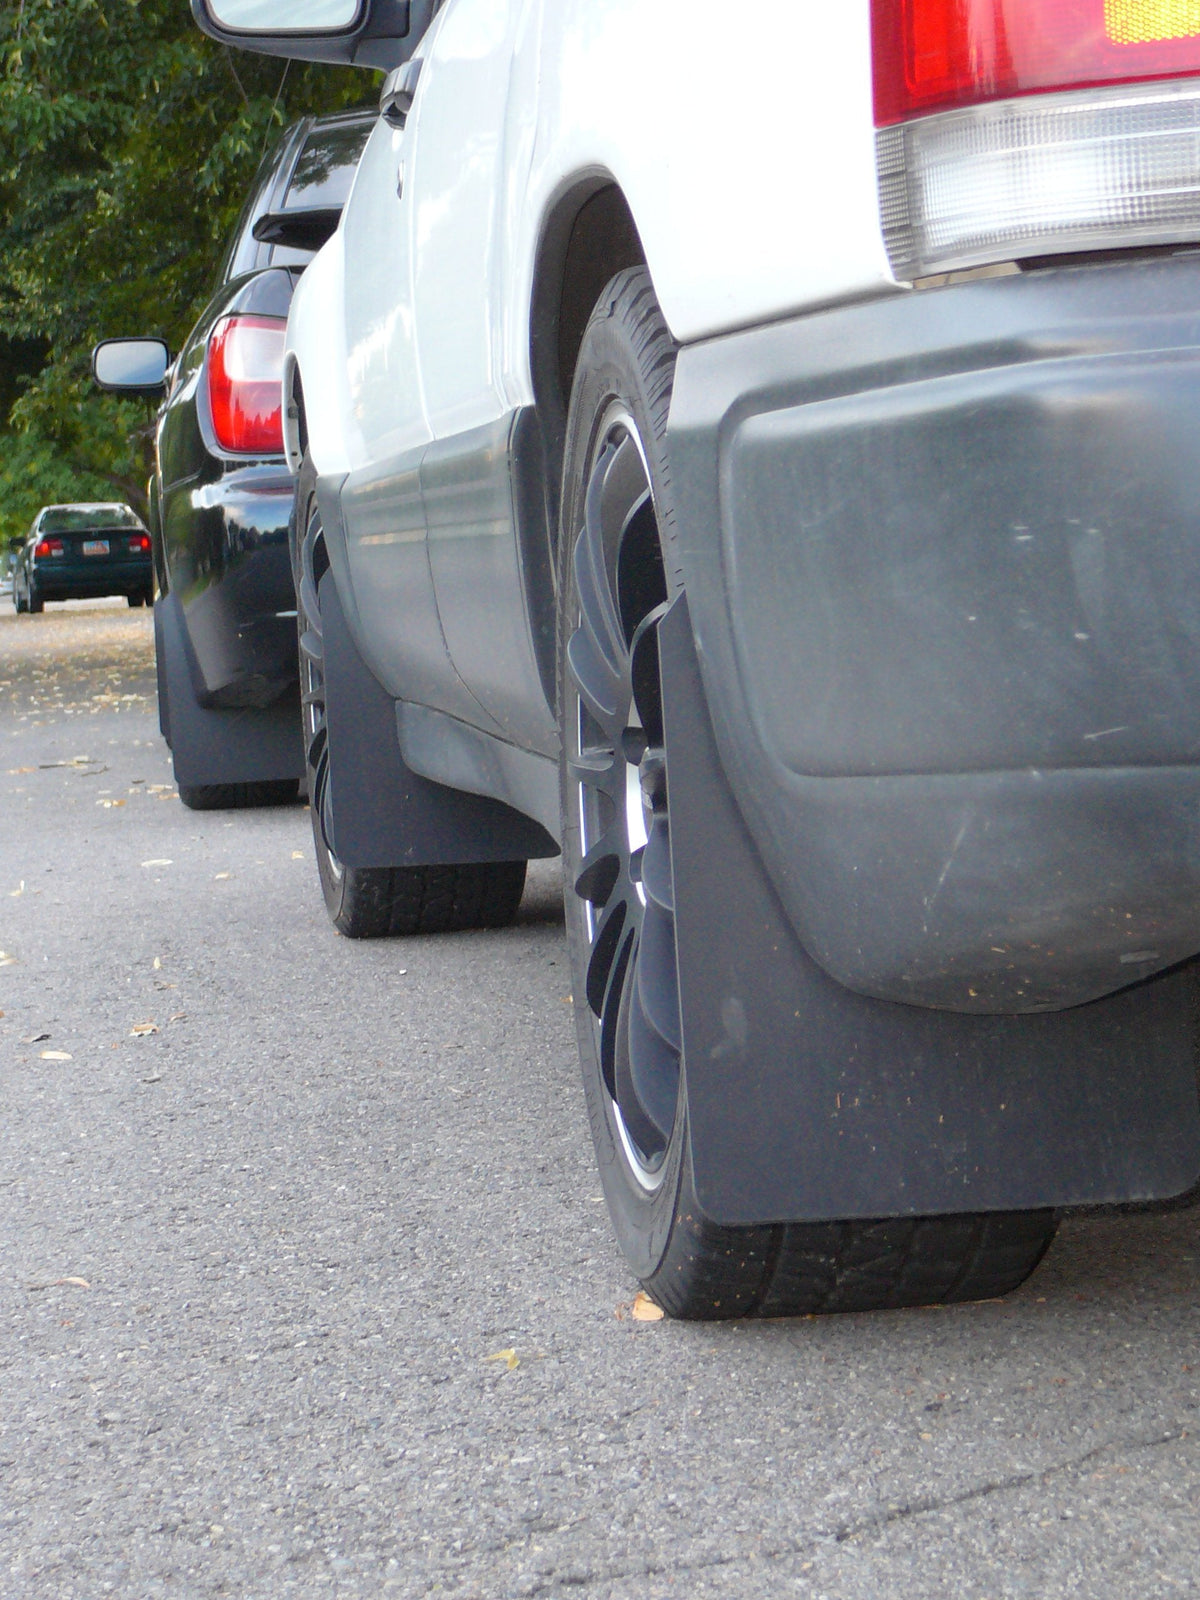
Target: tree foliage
pixel 127 144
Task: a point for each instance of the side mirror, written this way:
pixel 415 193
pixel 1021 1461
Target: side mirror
pixel 16 544
pixel 362 33
pixel 131 366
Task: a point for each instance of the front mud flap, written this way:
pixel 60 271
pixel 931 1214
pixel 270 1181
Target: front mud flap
pixel 378 812
pixel 218 745
pixel 810 1102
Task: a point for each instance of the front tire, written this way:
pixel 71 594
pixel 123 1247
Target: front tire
pixel 378 902
pixel 619 573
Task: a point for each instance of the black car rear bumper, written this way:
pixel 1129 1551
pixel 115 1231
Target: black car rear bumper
pixel 942 556
pixel 230 568
pixel 91 579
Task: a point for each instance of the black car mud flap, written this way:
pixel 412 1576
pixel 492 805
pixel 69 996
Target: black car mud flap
pixel 810 1102
pixel 379 813
pixel 219 745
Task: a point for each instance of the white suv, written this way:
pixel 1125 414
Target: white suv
pixel 764 464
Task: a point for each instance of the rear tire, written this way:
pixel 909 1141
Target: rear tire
pixel 239 796
pixel 378 902
pixel 619 572
pixel 34 602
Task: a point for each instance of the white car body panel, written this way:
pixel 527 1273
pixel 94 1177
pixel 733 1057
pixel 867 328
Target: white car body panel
pixel 708 137
pixel 314 329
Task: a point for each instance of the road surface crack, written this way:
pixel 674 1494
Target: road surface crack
pixel 1017 1480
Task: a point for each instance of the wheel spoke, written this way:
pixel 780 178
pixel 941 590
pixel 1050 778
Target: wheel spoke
pixel 646 1073
pixel 604 949
pixel 600 684
pixel 657 879
pixel 596 599
pixel 644 679
pixel 599 870
pixel 657 980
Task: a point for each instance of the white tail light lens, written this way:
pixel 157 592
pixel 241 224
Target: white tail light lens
pixel 1042 175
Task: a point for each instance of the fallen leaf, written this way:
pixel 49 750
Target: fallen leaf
pixel 221 875
pixel 56 1055
pixel 60 1283
pixel 155 1077
pixel 644 1309
pixel 109 804
pixel 157 964
pixel 140 1029
pixel 158 861
pixel 13 893
pixel 15 771
pixel 509 1357
pixel 34 1038
pixel 6 960
pixel 177 1016
pixel 297 855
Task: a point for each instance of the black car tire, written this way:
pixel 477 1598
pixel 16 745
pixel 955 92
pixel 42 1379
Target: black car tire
pixel 619 572
pixel 34 601
pixel 239 796
pixel 377 902
pixel 18 603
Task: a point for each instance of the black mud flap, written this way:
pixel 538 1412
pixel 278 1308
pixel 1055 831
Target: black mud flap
pixel 219 745
pixel 810 1102
pixel 376 812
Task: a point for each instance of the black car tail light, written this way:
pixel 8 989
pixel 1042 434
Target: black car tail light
pixel 49 547
pixel 245 377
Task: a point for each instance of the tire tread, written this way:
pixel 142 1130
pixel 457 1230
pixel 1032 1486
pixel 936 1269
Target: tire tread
pixel 383 902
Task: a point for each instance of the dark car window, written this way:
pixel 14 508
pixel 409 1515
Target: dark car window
pixel 327 164
pixel 321 176
pixel 79 519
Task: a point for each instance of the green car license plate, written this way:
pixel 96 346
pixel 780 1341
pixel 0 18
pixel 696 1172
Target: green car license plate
pixel 95 547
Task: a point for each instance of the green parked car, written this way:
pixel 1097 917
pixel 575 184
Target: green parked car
pixel 80 552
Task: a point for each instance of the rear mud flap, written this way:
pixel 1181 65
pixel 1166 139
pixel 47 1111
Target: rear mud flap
pixel 810 1102
pixel 217 746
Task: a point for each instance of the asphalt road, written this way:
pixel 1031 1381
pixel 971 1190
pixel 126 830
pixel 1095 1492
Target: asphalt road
pixel 310 1291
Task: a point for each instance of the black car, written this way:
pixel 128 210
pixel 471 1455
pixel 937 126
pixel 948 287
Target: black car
pixel 82 552
pixel 221 494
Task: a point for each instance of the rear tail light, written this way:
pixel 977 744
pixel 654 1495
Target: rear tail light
pixel 245 384
pixel 139 543
pixel 49 547
pixel 933 55
pixel 1018 128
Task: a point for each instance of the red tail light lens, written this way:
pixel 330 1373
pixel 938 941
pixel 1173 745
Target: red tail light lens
pixel 48 547
pixel 139 543
pixel 931 55
pixel 245 384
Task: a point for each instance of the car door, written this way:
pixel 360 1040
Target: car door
pixel 386 543
pixel 480 472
